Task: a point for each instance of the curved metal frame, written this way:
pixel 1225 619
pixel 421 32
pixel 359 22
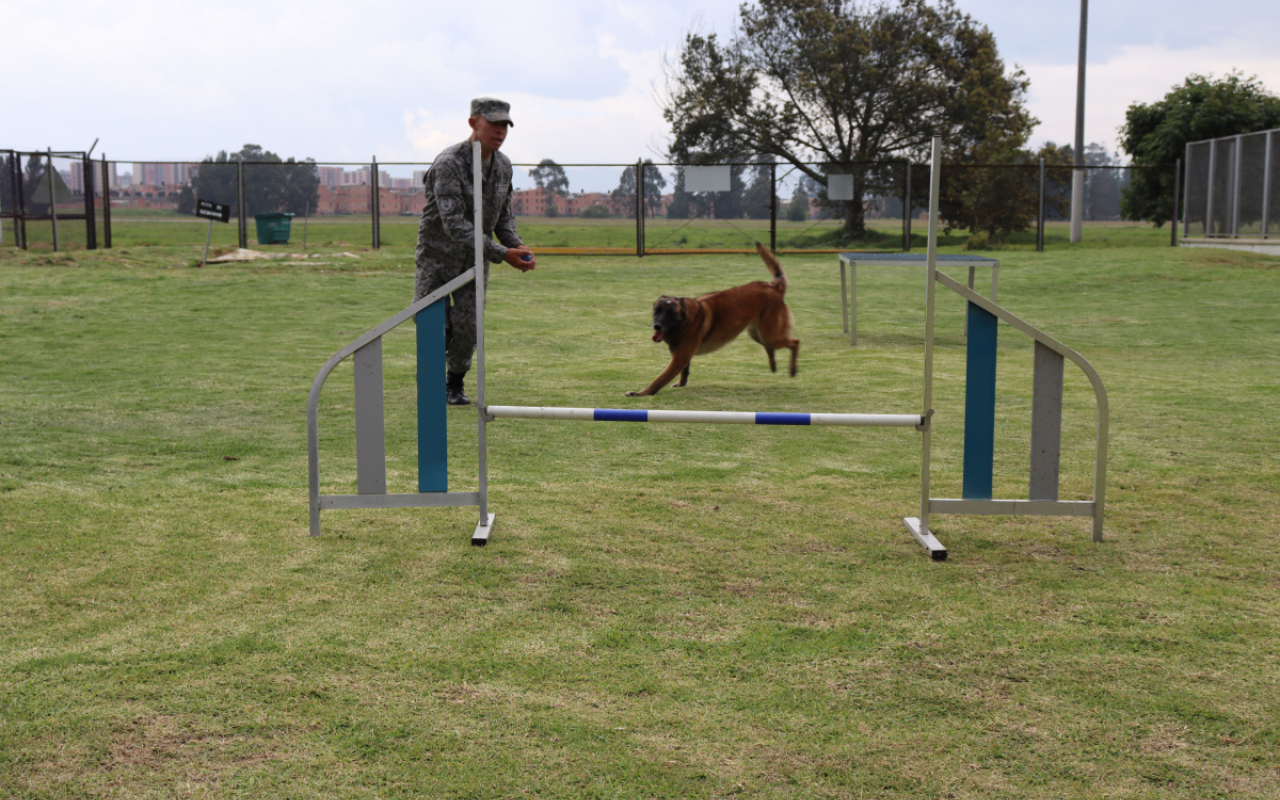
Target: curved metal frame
pixel 313 424
pixel 1093 508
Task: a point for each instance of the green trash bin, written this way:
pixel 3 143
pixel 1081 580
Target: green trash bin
pixel 273 228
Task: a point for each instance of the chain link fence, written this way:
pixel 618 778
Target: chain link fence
pixel 637 208
pixel 1233 187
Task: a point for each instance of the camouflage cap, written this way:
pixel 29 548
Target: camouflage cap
pixel 492 109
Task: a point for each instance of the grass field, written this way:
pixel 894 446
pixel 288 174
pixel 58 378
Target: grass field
pixel 145 227
pixel 664 611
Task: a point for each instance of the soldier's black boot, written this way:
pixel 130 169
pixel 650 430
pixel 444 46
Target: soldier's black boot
pixel 453 392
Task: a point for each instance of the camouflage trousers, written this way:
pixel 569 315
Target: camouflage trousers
pixel 460 317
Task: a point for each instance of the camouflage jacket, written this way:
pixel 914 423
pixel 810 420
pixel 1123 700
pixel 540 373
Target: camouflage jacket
pixel 446 232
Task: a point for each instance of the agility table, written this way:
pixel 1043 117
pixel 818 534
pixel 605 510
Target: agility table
pixel 849 289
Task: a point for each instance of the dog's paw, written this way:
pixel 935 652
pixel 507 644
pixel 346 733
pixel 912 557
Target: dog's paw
pixel 633 394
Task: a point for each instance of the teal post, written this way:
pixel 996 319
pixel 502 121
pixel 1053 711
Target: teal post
pixel 433 448
pixel 980 405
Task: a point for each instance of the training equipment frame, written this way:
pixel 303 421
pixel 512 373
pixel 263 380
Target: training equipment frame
pixel 981 326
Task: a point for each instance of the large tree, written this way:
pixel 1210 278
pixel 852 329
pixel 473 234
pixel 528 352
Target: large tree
pixel 625 195
pixel 831 85
pixel 1156 134
pixel 757 202
pixel 551 176
pixel 270 183
pixel 999 193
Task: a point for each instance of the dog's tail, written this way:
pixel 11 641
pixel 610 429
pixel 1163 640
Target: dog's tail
pixel 779 277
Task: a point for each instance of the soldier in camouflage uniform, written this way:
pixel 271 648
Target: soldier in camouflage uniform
pixel 446 233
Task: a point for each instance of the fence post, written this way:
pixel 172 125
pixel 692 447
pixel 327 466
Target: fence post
pixel 906 210
pixel 1177 189
pixel 1208 190
pixel 1040 213
pixel 21 183
pixel 773 208
pixel 106 204
pixel 90 214
pixel 241 216
pixel 377 234
pixel 1186 222
pixel 639 209
pixel 1267 163
pixel 15 169
pixel 53 201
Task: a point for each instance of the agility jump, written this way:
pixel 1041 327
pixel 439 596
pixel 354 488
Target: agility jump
pixel 979 433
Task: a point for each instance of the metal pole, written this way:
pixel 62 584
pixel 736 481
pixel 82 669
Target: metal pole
pixel 106 204
pixel 1208 205
pixel 1177 189
pixel 1077 174
pixel 773 208
pixel 639 209
pixel 242 218
pixel 90 213
pixel 377 234
pixel 931 269
pixel 13 183
pixel 53 202
pixel 306 210
pixel 1040 213
pixel 481 535
pixel 1235 186
pixel 207 237
pixel 21 183
pixel 1267 164
pixel 906 209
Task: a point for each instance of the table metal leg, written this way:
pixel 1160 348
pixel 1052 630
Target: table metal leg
pixel 853 305
pixel 844 300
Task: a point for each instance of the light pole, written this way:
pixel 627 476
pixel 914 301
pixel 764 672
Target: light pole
pixel 1077 157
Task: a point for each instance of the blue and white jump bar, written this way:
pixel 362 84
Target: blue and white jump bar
pixel 721 417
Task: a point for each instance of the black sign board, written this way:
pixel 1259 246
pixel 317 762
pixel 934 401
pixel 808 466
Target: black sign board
pixel 211 210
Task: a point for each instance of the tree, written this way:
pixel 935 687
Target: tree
pixel 551 176
pixel 624 196
pixel 832 85
pixel 270 184
pixel 36 185
pixel 36 168
pixel 798 211
pixel 757 202
pixel 1156 134
pixel 679 207
pixel 1103 187
pixel 999 195
pixel 654 183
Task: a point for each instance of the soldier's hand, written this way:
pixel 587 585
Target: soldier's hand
pixel 522 258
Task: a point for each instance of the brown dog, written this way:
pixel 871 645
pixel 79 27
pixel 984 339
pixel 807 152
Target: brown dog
pixel 696 325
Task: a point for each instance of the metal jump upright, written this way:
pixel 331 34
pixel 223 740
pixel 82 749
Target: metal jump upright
pixel 371 472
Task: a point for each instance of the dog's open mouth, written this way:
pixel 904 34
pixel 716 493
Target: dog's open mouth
pixel 658 334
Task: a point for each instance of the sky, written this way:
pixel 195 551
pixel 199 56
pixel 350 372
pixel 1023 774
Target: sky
pixel 347 81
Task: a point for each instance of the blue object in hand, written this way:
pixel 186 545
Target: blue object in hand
pixel 526 257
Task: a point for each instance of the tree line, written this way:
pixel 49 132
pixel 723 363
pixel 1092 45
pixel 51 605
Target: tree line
pixel 271 184
pixel 848 87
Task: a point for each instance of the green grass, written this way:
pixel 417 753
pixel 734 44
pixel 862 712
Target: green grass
pixel 664 611
pixel 151 228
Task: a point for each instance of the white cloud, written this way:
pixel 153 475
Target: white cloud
pixel 340 82
pixel 1135 74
